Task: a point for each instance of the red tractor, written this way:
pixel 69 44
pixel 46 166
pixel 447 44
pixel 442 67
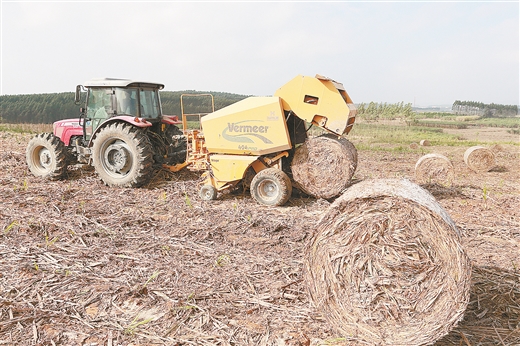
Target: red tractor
pixel 121 131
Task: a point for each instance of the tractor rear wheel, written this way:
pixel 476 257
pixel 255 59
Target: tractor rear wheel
pixel 122 155
pixel 271 186
pixel 324 166
pixel 46 156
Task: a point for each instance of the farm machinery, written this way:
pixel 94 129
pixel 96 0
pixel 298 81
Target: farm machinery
pixel 259 143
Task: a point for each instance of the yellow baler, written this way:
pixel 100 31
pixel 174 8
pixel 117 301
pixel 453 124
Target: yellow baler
pixel 319 101
pixel 255 134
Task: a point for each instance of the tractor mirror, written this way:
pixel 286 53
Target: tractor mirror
pixel 77 97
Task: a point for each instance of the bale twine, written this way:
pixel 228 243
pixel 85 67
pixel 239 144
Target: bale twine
pixel 425 143
pixel 479 159
pixel 323 166
pixel 386 266
pixel 434 168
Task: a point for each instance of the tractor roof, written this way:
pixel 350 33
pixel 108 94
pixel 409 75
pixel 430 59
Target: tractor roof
pixel 115 82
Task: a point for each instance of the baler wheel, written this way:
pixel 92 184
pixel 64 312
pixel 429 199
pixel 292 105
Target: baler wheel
pixel 271 186
pixel 208 193
pixel 46 156
pixel 123 156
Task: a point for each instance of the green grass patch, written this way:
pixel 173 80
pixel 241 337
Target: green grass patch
pixel 440 124
pixel 400 137
pixel 513 122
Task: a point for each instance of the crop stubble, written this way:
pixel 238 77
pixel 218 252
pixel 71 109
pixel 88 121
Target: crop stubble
pixel 84 263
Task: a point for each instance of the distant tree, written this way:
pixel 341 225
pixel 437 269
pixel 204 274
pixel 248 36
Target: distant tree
pixel 374 111
pixel 485 110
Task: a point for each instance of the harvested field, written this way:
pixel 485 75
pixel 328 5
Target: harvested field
pixel 85 264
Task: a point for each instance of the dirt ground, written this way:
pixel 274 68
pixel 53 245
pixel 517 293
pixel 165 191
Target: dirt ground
pixel 84 264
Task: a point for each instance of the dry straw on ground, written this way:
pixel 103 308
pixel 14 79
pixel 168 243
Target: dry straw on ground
pixel 434 169
pixel 316 158
pixel 479 159
pixel 386 267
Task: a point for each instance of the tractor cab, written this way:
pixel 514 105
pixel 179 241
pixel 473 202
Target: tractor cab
pixel 124 99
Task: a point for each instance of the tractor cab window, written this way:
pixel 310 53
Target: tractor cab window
pixel 150 106
pixel 99 103
pixel 127 101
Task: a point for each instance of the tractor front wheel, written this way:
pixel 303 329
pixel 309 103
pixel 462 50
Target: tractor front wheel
pixel 46 156
pixel 122 155
pixel 271 186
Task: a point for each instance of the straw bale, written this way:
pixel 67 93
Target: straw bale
pixel 414 146
pixel 386 266
pixel 434 168
pixel 496 148
pixel 323 166
pixel 425 143
pixel 479 159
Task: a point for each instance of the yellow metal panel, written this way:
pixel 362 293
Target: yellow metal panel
pixel 318 99
pixel 228 168
pixel 253 126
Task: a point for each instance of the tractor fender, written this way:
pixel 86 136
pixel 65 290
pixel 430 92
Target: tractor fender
pixel 171 119
pixel 135 121
pixel 67 128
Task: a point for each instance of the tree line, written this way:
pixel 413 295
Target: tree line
pixel 374 111
pixel 485 110
pixel 48 108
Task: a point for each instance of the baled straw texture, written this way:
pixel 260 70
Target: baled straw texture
pixel 323 166
pixel 479 159
pixel 434 168
pixel 386 267
pixel 425 143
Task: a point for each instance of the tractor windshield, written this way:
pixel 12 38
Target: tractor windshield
pixel 99 103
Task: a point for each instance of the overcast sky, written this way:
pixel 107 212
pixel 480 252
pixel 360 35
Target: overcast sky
pixel 425 53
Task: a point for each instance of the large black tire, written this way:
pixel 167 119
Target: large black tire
pixel 178 145
pixel 46 156
pixel 122 155
pixel 324 166
pixel 271 186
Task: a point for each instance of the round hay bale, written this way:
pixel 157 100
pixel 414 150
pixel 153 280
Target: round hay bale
pixel 496 148
pixel 414 146
pixel 479 159
pixel 424 143
pixel 323 166
pixel 434 168
pixel 386 266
